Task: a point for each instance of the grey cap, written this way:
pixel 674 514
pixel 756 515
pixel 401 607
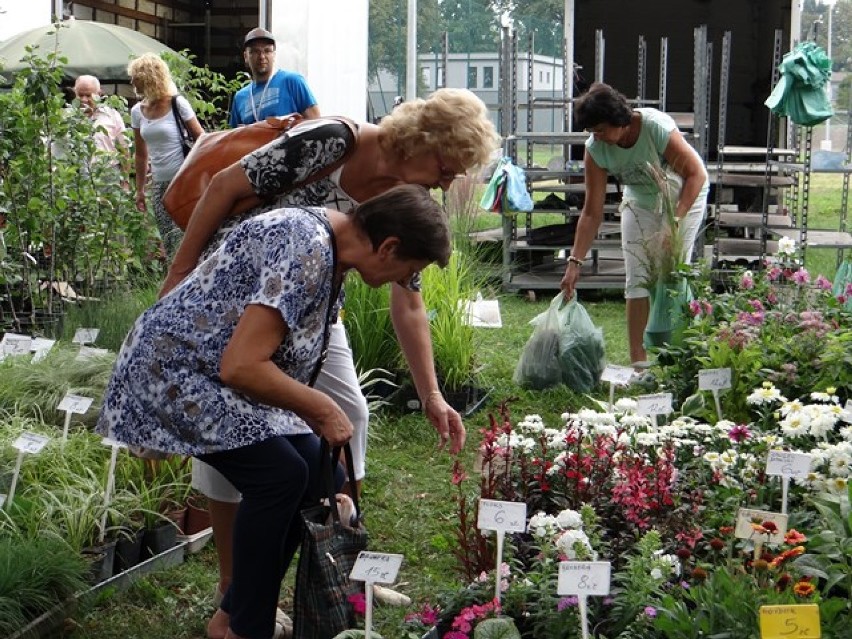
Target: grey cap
pixel 258 34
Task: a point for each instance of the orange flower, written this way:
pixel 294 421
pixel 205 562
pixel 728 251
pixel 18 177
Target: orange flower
pixel 804 588
pixel 726 530
pixel 794 537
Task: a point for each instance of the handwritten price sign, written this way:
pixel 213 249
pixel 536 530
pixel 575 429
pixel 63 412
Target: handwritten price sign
pixel 85 335
pixel 746 517
pixel 30 443
pixel 14 344
pixel 75 403
pixel 788 464
pixel 508 516
pixel 657 404
pixel 714 379
pixel 376 567
pixel 790 622
pixel 583 578
pixel 620 375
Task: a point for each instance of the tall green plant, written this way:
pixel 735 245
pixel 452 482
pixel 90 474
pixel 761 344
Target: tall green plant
pixel 209 92
pixel 445 292
pixel 368 324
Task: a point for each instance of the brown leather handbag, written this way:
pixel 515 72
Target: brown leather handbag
pixel 218 150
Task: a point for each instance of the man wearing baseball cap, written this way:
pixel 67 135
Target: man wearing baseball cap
pixel 270 92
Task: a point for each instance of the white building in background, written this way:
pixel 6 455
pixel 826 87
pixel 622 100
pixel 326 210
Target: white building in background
pixel 480 72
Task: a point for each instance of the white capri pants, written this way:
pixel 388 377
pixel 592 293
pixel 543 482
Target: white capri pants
pixel 640 231
pixel 339 381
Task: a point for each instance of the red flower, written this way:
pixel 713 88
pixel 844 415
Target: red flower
pixel 794 537
pixel 358 602
pixel 804 588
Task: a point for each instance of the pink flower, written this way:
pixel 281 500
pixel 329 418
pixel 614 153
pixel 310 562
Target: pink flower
pixel 566 602
pixel 650 611
pixel 695 308
pixel 756 305
pixel 739 433
pixel 747 281
pixel 773 274
pixel 359 603
pixel 822 283
pixel 801 276
pixel 708 307
pixel 454 634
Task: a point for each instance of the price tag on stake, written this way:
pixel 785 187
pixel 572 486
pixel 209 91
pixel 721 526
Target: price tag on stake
pixel 85 335
pixel 30 443
pixel 657 404
pixel 620 375
pixel 508 516
pixel 75 404
pixel 376 567
pixel 15 344
pixel 788 464
pixel 584 578
pixel 714 379
pixel 87 352
pixel 746 517
pixel 41 347
pixel 796 621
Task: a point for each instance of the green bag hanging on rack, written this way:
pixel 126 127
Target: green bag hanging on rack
pixel 800 92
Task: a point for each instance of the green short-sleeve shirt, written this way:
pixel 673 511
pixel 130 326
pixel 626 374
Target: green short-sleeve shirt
pixel 629 166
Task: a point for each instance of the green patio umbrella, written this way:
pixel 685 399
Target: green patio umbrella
pixel 95 48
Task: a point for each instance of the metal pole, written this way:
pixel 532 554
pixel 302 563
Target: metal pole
pixel 411 65
pixel 826 143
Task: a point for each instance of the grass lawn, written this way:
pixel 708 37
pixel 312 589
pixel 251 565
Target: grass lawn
pixel 409 501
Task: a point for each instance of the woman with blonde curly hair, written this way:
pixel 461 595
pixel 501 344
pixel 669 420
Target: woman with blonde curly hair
pixel 427 142
pixel 157 139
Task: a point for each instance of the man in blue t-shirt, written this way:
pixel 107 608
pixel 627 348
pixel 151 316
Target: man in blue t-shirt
pixel 270 92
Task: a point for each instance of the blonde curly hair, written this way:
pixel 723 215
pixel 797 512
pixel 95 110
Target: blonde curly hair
pixel 453 122
pixel 151 76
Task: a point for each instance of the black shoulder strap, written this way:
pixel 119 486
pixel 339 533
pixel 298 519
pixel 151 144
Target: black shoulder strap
pixel 181 125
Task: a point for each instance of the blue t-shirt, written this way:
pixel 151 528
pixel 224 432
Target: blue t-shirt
pixel 285 92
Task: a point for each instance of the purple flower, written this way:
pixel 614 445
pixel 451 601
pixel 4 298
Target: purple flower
pixel 739 433
pixel 822 282
pixel 650 611
pixel 695 308
pixel 567 602
pixel 756 305
pixel 774 273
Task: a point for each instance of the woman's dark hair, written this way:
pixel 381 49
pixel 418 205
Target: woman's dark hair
pixel 409 213
pixel 601 104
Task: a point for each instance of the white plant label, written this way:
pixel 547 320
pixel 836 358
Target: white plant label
pixel 106 441
pixel 657 404
pixel 746 517
pixel 620 375
pixel 508 516
pixel 87 352
pixel 30 443
pixel 41 347
pixel 75 403
pixel 376 567
pixel 714 379
pixel 85 335
pixel 15 344
pixel 583 578
pixel 788 464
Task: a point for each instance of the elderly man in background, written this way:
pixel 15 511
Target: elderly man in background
pixel 109 125
pixel 270 93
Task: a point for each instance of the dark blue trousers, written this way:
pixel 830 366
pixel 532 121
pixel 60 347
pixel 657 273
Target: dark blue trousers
pixel 276 478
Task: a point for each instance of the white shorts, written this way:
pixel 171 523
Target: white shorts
pixel 339 381
pixel 638 227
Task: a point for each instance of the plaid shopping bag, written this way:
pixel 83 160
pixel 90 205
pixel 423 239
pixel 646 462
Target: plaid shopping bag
pixel 329 549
